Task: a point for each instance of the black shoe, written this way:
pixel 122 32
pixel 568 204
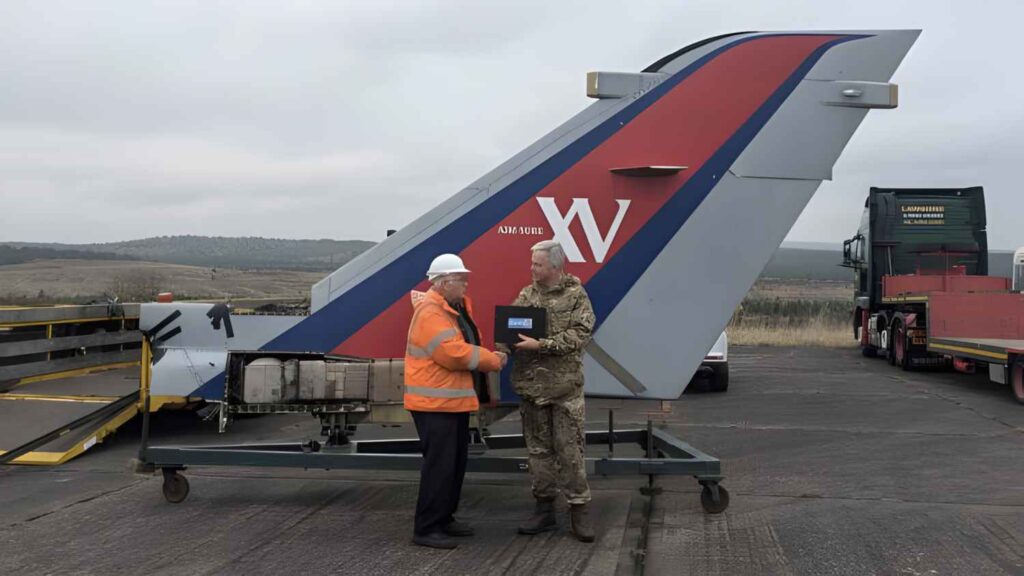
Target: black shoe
pixel 435 540
pixel 458 528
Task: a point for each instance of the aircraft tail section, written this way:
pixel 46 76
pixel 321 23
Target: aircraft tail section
pixel 669 194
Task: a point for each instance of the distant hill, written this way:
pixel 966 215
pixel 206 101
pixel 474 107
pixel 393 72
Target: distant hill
pixel 793 261
pixel 212 252
pixel 799 260
pixel 21 254
pixel 825 246
pixel 1000 264
pixel 799 263
pixel 79 281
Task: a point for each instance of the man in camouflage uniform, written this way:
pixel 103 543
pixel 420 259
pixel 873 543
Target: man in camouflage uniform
pixel 548 376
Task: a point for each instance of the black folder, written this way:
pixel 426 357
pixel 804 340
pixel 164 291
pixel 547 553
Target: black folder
pixel 511 321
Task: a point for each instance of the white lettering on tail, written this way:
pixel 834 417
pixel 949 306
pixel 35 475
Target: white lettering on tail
pixel 599 245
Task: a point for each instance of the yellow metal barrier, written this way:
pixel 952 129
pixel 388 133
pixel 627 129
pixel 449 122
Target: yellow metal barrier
pixel 72 345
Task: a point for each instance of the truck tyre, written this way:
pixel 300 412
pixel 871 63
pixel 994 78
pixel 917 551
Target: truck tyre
pixel 901 347
pixel 869 351
pixel 719 381
pixel 887 338
pixel 1017 380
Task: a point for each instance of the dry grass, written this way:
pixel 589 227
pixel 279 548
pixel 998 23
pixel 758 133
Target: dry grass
pixel 75 280
pixel 814 333
pixel 794 289
pixel 775 312
pixel 794 313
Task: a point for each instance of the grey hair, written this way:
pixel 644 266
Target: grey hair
pixel 555 253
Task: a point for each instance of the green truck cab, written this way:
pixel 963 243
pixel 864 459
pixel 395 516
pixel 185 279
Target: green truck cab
pixel 911 231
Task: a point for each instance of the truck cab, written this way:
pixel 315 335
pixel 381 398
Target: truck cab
pixel 910 231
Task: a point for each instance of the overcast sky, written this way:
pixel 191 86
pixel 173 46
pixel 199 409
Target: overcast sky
pixel 123 120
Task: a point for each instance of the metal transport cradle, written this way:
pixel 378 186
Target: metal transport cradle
pixel 664 454
pixel 669 194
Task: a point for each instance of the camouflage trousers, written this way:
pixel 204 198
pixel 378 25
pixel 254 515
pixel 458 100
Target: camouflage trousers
pixel 554 436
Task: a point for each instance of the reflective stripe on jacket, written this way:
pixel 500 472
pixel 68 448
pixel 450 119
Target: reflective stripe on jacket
pixel 438 360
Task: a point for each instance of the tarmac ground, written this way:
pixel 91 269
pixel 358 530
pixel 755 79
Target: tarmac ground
pixel 836 464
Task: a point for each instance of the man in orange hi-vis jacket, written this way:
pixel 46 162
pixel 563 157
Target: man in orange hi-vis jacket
pixel 444 366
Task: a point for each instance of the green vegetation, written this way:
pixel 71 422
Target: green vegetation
pixel 791 313
pixel 252 253
pixel 22 254
pixel 794 313
pixel 211 252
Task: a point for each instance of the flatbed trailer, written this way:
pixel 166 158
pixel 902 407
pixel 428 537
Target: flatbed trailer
pixel 974 328
pixel 916 307
pixel 997 350
pixel 978 329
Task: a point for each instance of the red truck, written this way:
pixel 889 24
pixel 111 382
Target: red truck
pixel 923 296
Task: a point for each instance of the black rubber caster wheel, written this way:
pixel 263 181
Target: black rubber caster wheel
pixel 710 504
pixel 175 487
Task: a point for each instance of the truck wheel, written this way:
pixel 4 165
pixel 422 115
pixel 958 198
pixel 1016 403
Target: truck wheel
pixel 901 347
pixel 1017 380
pixel 869 351
pixel 719 379
pixel 887 339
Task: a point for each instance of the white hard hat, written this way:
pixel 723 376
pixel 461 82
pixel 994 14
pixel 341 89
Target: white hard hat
pixel 446 264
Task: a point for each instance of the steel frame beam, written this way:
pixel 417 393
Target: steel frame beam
pixel 671 456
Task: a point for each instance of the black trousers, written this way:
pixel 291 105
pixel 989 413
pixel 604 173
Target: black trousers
pixel 444 442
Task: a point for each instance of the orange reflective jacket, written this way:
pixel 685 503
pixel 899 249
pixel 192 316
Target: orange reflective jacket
pixel 438 359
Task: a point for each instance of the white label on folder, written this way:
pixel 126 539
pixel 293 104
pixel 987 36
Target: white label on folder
pixel 520 323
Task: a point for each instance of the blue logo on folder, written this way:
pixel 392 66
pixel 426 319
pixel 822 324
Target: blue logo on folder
pixel 520 323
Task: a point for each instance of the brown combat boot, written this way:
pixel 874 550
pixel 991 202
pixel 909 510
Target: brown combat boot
pixel 579 522
pixel 542 520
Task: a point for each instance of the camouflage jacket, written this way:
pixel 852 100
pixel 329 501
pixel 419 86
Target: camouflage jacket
pixel 556 371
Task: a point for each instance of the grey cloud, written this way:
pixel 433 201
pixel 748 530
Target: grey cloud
pixel 333 119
